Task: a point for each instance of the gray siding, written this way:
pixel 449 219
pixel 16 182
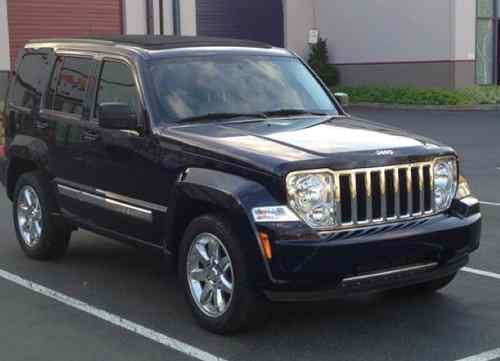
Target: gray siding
pixel 442 74
pixel 427 43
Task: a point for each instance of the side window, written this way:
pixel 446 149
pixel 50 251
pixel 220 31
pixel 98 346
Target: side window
pixel 68 94
pixel 116 84
pixel 29 81
pixel 51 93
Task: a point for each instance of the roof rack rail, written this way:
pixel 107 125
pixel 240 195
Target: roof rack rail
pixel 72 40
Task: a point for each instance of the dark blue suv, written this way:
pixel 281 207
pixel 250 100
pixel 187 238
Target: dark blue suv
pixel 235 160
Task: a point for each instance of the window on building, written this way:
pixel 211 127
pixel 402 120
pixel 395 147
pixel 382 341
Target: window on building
pixel 488 12
pixel 30 80
pixel 69 84
pixel 117 84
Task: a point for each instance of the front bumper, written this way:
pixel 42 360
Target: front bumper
pixel 311 265
pixel 375 282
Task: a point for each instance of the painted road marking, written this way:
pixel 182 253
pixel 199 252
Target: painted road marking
pixel 113 319
pixel 170 342
pixel 481 273
pixel 491 203
pixel 485 356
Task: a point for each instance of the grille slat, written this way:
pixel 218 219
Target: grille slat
pixel 421 187
pixel 337 199
pixel 369 203
pixel 374 195
pixel 354 198
pixel 383 196
pixel 397 200
pixel 409 190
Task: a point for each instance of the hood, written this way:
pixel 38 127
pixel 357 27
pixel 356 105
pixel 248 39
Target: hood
pixel 309 142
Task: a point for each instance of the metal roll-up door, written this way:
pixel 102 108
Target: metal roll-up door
pixel 259 20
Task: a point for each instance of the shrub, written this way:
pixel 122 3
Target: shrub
pixel 423 96
pixel 319 60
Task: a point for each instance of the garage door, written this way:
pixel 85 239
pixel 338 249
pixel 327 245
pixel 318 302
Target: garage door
pixel 260 20
pixel 32 19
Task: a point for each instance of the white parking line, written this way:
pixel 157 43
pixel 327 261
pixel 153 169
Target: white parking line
pixel 481 273
pixel 491 203
pixel 113 319
pixel 485 356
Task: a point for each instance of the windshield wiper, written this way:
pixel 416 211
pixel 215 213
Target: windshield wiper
pixel 221 116
pixel 288 112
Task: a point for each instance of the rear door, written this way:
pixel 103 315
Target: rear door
pixel 62 118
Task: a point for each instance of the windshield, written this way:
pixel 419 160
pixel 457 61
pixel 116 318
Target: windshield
pixel 194 87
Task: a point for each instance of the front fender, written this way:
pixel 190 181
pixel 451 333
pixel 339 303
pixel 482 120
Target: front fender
pixel 230 193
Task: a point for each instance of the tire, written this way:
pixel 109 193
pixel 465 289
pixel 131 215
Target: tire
pixel 245 307
pixel 48 239
pixel 427 287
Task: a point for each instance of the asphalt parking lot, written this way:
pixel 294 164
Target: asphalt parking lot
pixel 134 309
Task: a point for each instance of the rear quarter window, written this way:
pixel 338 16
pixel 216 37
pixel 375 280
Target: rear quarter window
pixel 29 81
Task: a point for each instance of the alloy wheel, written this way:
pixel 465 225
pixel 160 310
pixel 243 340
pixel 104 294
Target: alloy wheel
pixel 210 275
pixel 29 216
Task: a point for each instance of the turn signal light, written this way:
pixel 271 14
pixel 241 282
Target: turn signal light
pixel 266 245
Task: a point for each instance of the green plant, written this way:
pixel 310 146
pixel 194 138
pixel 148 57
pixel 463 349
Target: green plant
pixel 319 60
pixel 423 96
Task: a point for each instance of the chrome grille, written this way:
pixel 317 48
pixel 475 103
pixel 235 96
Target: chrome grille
pixel 384 194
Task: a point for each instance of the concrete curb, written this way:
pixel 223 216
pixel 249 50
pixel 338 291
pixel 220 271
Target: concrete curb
pixel 466 108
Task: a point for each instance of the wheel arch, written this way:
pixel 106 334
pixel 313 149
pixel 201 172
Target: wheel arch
pixel 24 154
pixel 202 191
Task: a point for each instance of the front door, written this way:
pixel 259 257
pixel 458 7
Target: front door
pixel 122 165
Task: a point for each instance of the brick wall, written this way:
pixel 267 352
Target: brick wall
pixel 32 19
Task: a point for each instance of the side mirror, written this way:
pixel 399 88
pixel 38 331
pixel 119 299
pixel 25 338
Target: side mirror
pixel 343 99
pixel 117 116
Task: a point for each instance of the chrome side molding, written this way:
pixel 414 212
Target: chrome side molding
pixel 107 203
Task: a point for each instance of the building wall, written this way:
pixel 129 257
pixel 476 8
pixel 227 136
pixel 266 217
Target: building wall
pixel 464 37
pixel 299 19
pixel 168 17
pixel 390 42
pixel 30 19
pixel 383 31
pixel 4 48
pixel 134 18
pixel 188 17
pixel 4 36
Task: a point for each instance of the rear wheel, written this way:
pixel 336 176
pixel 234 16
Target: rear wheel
pixel 428 287
pixel 38 233
pixel 215 278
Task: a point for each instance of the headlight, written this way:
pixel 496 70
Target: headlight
pixel 311 196
pixel 463 190
pixel 445 182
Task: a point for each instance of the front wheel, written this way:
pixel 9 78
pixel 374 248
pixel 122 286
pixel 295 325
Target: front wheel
pixel 215 278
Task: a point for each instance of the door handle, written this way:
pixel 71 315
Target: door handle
pixel 90 136
pixel 42 123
